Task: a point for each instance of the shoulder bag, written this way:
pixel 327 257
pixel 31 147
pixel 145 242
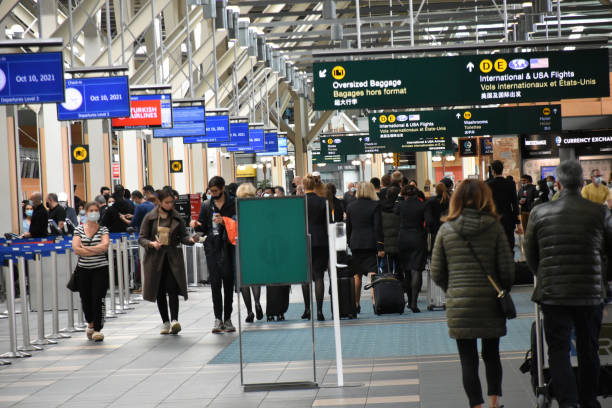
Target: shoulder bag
pixel 504 299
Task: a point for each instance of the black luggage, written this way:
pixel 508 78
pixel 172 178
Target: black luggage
pixel 277 302
pixel 388 294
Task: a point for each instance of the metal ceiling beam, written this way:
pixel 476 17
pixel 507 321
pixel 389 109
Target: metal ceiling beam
pixel 5 8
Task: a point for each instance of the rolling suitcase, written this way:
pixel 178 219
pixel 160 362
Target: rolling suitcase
pixel 436 298
pixel 388 294
pixel 277 302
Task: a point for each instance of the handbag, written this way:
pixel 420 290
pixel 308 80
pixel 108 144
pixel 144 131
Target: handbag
pixel 504 299
pixel 72 284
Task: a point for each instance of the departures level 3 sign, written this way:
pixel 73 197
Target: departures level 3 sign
pixel 397 129
pixel 461 80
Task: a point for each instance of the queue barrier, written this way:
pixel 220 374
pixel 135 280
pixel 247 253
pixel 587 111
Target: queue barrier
pixel 50 264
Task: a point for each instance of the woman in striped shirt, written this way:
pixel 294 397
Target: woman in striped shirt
pixel 90 242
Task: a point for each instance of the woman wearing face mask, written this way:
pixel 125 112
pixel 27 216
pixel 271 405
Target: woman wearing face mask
pixel 28 211
pixel 161 233
pixel 90 243
pixel 543 193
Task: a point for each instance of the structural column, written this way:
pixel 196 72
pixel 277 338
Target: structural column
pixel 52 141
pixel 9 200
pixel 301 133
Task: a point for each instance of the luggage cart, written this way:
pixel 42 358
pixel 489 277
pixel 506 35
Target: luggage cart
pixel 537 364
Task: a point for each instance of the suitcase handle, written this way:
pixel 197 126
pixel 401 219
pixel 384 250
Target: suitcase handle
pixel 377 281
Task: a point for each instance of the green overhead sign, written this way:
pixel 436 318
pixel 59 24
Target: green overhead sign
pixel 462 80
pixel 344 144
pixel 396 128
pixel 317 157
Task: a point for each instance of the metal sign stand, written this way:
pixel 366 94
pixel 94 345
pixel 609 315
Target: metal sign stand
pixel 288 385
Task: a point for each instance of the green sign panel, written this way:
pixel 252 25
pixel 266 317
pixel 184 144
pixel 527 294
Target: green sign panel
pixel 268 254
pixel 343 144
pixel 394 127
pixel 461 80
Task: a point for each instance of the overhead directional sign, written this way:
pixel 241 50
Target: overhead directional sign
pixel 95 98
pixel 31 78
pixel 461 80
pixel 399 129
pixel 318 157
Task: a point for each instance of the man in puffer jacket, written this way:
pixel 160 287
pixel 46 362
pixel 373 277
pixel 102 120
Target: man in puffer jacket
pixel 565 242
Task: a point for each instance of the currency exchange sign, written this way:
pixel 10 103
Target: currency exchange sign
pixel 461 80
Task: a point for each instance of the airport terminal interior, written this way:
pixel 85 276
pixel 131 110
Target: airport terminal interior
pixel 293 181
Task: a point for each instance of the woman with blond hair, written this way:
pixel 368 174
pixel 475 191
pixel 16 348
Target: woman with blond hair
pixel 470 245
pixel 247 190
pixel 365 234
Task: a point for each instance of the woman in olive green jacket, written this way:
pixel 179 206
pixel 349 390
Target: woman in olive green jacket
pixel 472 309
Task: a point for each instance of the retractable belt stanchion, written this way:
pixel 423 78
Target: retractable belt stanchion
pixel 126 273
pixel 120 278
pixel 40 304
pixel 26 344
pixel 9 280
pixel 141 252
pixel 112 310
pixel 132 260
pixel 81 325
pixel 70 327
pixel 196 265
pixel 55 300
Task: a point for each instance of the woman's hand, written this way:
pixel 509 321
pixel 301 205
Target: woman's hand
pixel 381 254
pixel 218 219
pixel 155 244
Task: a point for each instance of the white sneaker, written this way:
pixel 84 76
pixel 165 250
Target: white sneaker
pixel 97 336
pixel 89 332
pixel 165 328
pixel 175 327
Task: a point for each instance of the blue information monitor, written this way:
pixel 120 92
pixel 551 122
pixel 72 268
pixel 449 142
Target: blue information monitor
pixel 256 142
pixel 239 136
pixel 95 98
pixel 217 130
pixel 271 142
pixel 188 122
pixel 282 149
pixel 31 78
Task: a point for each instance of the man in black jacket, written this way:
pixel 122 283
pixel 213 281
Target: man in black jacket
pixel 526 197
pixel 112 216
pixel 565 242
pixel 504 196
pixel 40 218
pixel 219 252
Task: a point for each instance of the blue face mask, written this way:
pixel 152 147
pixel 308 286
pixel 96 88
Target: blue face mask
pixel 549 184
pixel 29 213
pixel 598 180
pixel 208 196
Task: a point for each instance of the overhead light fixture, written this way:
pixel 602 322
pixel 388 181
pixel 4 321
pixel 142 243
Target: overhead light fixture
pixel 569 48
pixel 368 162
pixel 450 158
pixel 527 4
pixel 574 36
pixel 321 164
pixel 355 162
pixel 436 158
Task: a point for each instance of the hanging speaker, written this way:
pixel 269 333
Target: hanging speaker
pixel 243 32
pixel 252 42
pixel 209 9
pixel 268 53
pixel 282 66
pixel 221 18
pixel 337 33
pixel 261 48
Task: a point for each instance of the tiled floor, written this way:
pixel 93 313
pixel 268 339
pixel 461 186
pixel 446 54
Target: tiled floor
pixel 136 367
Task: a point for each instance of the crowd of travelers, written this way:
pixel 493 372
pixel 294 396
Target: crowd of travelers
pixel 465 232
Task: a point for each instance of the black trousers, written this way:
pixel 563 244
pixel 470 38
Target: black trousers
pixel 558 324
pixel 468 354
pixel 509 228
pixel 222 282
pixel 168 287
pixel 93 284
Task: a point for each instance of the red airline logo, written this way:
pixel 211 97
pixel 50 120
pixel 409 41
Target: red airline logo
pixel 143 113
